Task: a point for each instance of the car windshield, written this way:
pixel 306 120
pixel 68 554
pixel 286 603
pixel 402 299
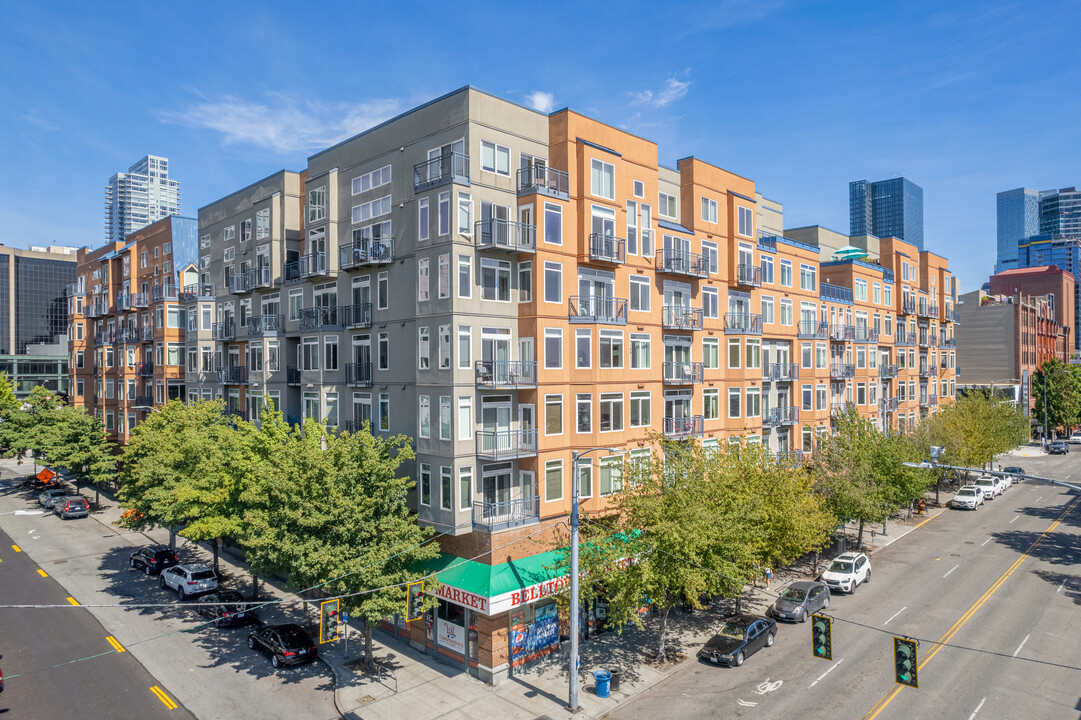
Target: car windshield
pixel 202 575
pixel 967 491
pixel 293 638
pixel 841 566
pixel 795 594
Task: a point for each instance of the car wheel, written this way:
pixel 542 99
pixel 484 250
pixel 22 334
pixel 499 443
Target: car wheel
pixel 802 619
pixel 162 583
pixel 220 623
pixel 738 660
pixel 868 578
pixel 131 562
pixel 179 593
pixel 769 637
pixel 146 569
pixel 275 661
pixel 251 642
pixel 826 604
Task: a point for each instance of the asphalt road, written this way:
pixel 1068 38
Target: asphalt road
pixel 991 595
pixel 40 645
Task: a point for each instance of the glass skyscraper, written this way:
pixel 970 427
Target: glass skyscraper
pixel 1060 212
pixel 1018 219
pixel 886 208
pixel 139 197
pixel 1060 250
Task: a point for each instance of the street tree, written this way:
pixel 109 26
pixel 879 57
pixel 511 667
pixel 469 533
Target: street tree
pixel 1063 395
pixel 81 446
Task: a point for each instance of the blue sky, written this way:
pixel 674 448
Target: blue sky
pixel 963 98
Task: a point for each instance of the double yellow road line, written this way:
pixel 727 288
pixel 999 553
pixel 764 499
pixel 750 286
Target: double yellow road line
pixel 881 704
pixel 164 697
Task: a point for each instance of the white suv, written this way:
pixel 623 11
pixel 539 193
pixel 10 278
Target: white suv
pixel 188 580
pixel 847 572
pixel 992 486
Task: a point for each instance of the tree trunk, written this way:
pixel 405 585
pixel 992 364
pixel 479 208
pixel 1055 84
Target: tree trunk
pixel 859 536
pixel 172 539
pixel 214 546
pixel 254 586
pixel 369 650
pixel 662 635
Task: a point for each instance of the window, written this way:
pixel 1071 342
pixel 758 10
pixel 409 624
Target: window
pixel 767 270
pixel 465 418
pixel 494 158
pixel 204 242
pixel 861 393
pixel 711 403
pixel 309 353
pixel 709 252
pixel 583 349
pixel 709 210
pixel 424 416
pixel 143 259
pixel 425 484
pixel 553 348
pixel 639 189
pixel 317 204
pixel 753 355
pixel 767 310
pixel 639 300
pixel 821 356
pixel 495 279
pixel 330 352
pixel 384 351
pixel 553 480
pixel 229 233
pixel 465 342
pixel 786 273
pixel 444 347
pixel 733 353
pixel 443 279
pixel 525 281
pixel 733 402
pixel 786 311
pixel 611 478
pixel 640 345
pixel 422 279
pixel 553 282
pixel 423 348
pixel 465 214
pixel 553 224
pixel 746 222
pixel 859 290
pixel 444 417
pixel 821 397
pixel 262 224
pixel 444 213
pixel 877 294
pixel 603 179
pixel 445 491
pixel 807 279
pixel 888 295
pixel 465 276
pixel 465 488
pixel 423 219
pixel 375 178
pixel 382 291
pixel 710 302
pixel 711 353
pixel 754 402
pixel 611 412
pixel 584 413
pixel 384 412
pixel 666 205
pixel 805 392
pixel 639 408
pixel 611 349
pixel 553 414
pixel 371 209
pixel 806 355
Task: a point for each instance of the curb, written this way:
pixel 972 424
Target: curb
pixel 911 529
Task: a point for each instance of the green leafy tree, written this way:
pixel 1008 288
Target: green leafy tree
pixel 81 445
pixel 9 403
pixel 33 428
pixel 1063 396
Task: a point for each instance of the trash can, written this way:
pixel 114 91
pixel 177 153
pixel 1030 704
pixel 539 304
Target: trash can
pixel 616 677
pixel 604 679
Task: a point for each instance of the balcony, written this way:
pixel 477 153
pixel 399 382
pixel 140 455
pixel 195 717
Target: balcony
pixel 908 307
pixel 599 309
pixel 140 300
pixel 144 369
pixel 223 330
pixel 316 318
pixel 498 234
pixel 545 181
pixel 838 410
pixel 680 262
pixel 928 401
pixel 864 334
pixel 928 371
pixel 834 293
pixel 239 284
pixel 234 414
pixel 451 167
pixel 127 336
pixel 789 458
pixel 260 278
pixel 928 340
pixel 123 302
pixel 505 374
pixel 949 343
pixel 809 329
pixel 742 324
pixel 887 372
pixel 492 516
pixel 313 265
pixel 358 374
pixel 506 444
pixel 842 371
pixel 748 276
pixel 953 316
pixel 928 310
pixel 887 404
pixel 147 333
pixel 143 402
pixel 292 375
pixel 233 375
pixel 781 416
pixel 164 293
pixel 780 372
pixel 366 252
pixel 681 317
pixel 683 373
pixel 197 291
pixel 355 426
pixel 107 337
pixel 607 249
pixel 904 339
pixel 842 333
pixel 96 309
pixel 356 316
pixel 681 428
pixel 263 325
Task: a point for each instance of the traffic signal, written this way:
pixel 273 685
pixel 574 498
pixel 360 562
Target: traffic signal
pixel 904 662
pixel 414 608
pixel 328 621
pixel 822 637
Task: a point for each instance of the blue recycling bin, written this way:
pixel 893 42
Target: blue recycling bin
pixel 604 682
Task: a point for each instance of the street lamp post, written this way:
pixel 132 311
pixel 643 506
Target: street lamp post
pixel 572 703
pixel 1045 407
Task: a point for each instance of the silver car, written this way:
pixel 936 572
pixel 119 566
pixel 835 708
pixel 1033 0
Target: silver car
pixel 969 497
pixel 188 580
pixel 800 599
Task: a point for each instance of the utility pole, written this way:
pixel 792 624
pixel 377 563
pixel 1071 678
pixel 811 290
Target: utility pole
pixel 1045 405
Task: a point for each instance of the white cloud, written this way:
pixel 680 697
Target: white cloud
pixel 281 124
pixel 673 90
pixel 545 102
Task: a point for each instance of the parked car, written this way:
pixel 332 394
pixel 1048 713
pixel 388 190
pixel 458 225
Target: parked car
pixel 284 644
pixel 740 637
pixel 1075 439
pixel 1015 471
pixel 991 486
pixel 188 580
pixel 72 506
pixel 49 498
pixel 799 600
pixel 230 609
pixel 968 497
pixel 153 559
pixel 847 572
pixel 1058 447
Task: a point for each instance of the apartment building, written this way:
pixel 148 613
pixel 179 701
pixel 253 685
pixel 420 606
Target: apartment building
pixel 127 323
pixel 509 287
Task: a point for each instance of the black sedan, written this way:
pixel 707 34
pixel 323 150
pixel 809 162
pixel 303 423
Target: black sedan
pixel 739 637
pixel 284 644
pixel 153 559
pixel 799 600
pixel 227 607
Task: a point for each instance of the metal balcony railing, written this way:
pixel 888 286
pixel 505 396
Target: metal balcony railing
pixel 928 371
pixel 499 234
pixel 788 458
pixel 813 329
pixel 838 409
pixel 260 277
pixel 143 401
pixel 842 333
pixel 239 284
pixel 950 343
pixel 599 309
pixel 929 310
pixel 742 324
pixel 144 369
pixel 506 444
pixel 128 335
pixel 908 307
pixel 683 373
pixel 780 372
pixel 864 334
pixel 163 293
pixel 954 316
pixel 147 333
pixel 140 300
pixel 225 330
pixel 904 338
pixel 292 375
pixel 544 180
pixel 234 375
pixel 842 371
pixel 928 340
pixel 356 316
pixel 123 302
pixel 888 404
pixel 313 265
pixel 681 262
pixel 607 248
pixel 491 516
pixel 366 252
pixel 834 293
pixel 748 275
pixel 266 324
pixel 105 337
pixel 319 317
pixel 358 374
pixel 197 291
pixel 780 416
pixel 505 374
pixel 928 401
pixel 447 168
pixel 681 317
pixel 679 428
pixel 886 372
